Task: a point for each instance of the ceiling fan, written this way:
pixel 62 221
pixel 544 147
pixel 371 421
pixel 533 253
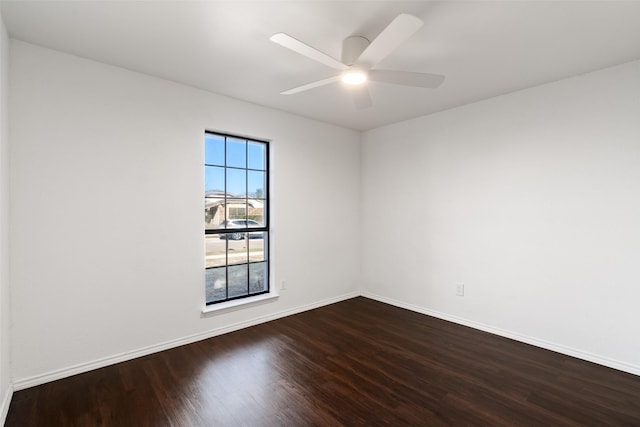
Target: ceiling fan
pixel 359 58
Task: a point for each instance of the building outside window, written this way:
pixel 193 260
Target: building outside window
pixel 236 220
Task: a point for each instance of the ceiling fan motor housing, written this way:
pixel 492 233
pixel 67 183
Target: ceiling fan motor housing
pixel 352 48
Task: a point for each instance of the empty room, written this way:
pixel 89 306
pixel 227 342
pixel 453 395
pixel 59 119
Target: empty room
pixel 319 213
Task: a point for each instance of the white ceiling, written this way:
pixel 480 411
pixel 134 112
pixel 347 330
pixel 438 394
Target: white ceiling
pixel 485 48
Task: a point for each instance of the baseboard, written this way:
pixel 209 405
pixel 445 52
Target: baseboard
pixel 610 363
pixel 4 405
pixel 35 380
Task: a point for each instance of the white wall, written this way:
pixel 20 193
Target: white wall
pixel 5 354
pixel 532 200
pixel 107 210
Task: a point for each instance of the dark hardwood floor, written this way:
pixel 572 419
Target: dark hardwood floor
pixel 355 363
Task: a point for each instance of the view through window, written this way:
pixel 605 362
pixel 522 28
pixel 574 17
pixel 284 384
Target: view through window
pixel 236 217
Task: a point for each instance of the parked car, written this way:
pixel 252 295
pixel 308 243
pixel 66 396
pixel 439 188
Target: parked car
pixel 240 223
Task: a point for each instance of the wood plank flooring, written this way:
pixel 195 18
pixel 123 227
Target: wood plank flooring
pixel 354 363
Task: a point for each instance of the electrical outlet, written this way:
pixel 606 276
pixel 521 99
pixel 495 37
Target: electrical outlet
pixel 283 285
pixel 460 289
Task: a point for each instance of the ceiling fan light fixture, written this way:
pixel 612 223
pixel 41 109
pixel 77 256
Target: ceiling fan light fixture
pixel 354 77
pixel 359 59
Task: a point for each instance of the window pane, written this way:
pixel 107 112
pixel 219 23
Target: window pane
pixel 214 150
pixel 213 213
pixel 258 277
pixel 236 210
pixel 256 156
pixel 215 250
pixel 237 251
pixel 256 181
pixel 216 283
pixel 238 276
pixel 257 246
pixel 237 182
pixel 238 213
pixel 236 153
pixel 213 180
pixel 255 213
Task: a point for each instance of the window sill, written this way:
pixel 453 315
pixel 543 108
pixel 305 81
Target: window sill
pixel 222 307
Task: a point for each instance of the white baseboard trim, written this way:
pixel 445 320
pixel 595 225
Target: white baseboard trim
pixel 4 405
pixel 21 384
pixel 621 366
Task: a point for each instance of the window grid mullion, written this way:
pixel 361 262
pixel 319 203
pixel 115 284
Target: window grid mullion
pixel 246 209
pixel 226 214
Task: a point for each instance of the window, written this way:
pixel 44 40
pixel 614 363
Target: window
pixel 236 220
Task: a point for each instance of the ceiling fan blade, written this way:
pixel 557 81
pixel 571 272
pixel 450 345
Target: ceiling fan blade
pixel 399 30
pixel 406 78
pixel 361 97
pixel 311 85
pixel 296 45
